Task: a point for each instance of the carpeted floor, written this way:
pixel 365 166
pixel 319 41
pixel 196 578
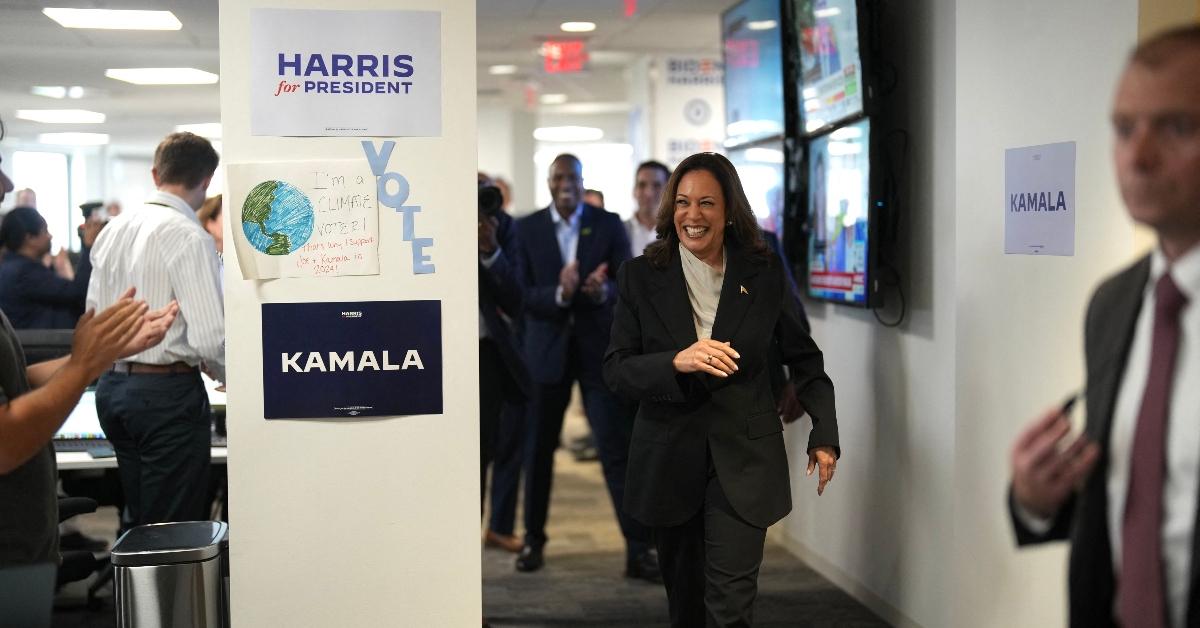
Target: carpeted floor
pixel 582 583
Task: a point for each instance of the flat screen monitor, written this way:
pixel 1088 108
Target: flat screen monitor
pixel 839 214
pixel 83 423
pixel 752 39
pixel 760 168
pixel 830 73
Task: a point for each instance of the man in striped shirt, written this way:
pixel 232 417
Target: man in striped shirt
pixel 153 406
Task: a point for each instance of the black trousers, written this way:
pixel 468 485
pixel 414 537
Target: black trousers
pixel 710 564
pixel 161 429
pixel 491 401
pixel 612 426
pixel 506 467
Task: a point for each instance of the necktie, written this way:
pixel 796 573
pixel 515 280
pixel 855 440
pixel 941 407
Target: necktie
pixel 1141 594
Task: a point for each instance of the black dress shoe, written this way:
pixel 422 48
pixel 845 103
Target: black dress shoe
pixel 644 566
pixel 530 558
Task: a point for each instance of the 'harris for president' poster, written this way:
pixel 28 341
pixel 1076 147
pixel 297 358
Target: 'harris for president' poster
pixel 345 73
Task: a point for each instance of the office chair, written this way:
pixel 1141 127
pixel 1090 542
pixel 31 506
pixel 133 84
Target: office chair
pixel 79 564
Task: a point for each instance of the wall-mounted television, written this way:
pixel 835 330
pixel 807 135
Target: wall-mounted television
pixel 752 41
pixel 841 215
pixel 830 74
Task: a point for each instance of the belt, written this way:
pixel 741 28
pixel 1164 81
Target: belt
pixel 136 368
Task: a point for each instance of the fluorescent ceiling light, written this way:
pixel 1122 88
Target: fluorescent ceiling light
pixel 567 134
pixel 58 91
pixel 846 133
pixel 61 116
pixel 827 12
pixel 812 104
pixel 762 25
pixel 578 27
pixel 73 139
pixel 500 70
pixel 813 125
pixel 809 92
pixel 553 99
pixel 764 155
pixel 49 91
pixel 115 20
pixel 162 76
pixel 211 130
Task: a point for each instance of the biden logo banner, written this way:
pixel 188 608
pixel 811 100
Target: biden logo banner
pixel 345 73
pixel 351 359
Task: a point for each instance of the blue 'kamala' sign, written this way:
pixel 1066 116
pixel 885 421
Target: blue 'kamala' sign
pixel 349 359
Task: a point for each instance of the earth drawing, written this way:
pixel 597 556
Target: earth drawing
pixel 277 218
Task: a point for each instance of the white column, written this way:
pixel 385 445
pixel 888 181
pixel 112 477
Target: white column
pixel 360 522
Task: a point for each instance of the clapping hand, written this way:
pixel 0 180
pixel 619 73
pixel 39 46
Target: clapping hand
pixel 593 286
pixel 568 280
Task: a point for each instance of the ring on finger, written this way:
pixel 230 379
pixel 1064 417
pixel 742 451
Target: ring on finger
pixel 708 358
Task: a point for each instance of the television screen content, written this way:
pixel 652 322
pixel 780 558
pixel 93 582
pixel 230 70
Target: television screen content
pixel 753 44
pixel 830 64
pixel 839 212
pixel 760 168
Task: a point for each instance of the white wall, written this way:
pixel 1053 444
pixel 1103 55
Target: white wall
pixel 1020 318
pixel 360 523
pixel 506 148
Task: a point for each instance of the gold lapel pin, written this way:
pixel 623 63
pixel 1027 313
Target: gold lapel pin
pixel 744 290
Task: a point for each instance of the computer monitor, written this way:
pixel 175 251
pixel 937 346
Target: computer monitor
pixel 83 423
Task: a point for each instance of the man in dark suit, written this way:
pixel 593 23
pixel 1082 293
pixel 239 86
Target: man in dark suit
pixel 503 377
pixel 1123 493
pixel 570 252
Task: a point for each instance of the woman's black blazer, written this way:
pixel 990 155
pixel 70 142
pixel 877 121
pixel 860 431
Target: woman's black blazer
pixel 681 417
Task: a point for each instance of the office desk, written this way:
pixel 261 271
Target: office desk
pixel 77 460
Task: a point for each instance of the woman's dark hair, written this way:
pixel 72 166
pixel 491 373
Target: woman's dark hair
pixel 19 224
pixel 744 232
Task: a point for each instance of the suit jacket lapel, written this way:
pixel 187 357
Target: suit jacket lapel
pixel 1111 357
pixel 670 300
pixel 550 253
pixel 737 294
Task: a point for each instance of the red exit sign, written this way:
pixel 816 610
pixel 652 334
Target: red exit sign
pixel 560 57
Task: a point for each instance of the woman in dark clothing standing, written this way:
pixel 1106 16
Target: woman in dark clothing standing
pixel 33 296
pixel 699 318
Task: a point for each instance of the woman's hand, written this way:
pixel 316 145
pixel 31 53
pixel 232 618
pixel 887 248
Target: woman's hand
pixel 826 459
pixel 707 356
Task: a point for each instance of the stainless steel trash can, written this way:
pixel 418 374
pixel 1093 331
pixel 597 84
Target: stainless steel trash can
pixel 173 575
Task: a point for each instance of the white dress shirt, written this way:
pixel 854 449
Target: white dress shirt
pixel 162 250
pixel 567 232
pixel 1183 432
pixel 640 236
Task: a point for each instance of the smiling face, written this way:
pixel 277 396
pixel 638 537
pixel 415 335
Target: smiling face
pixel 700 215
pixel 566 184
